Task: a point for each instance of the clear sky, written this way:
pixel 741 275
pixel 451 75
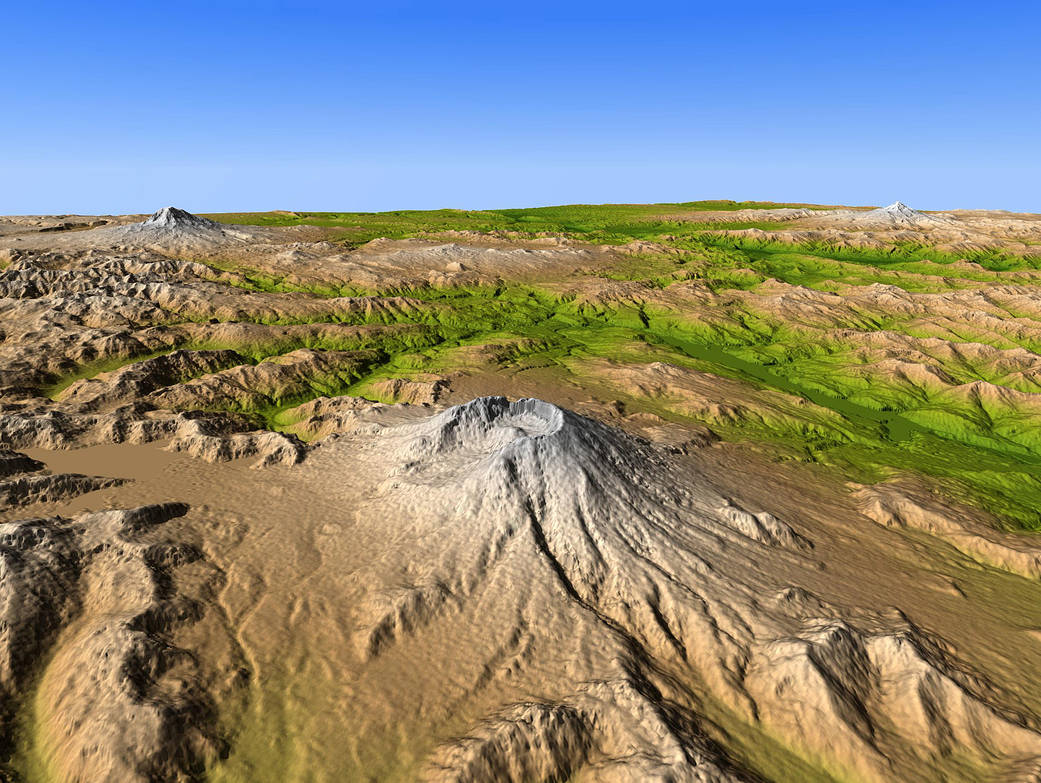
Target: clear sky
pixel 241 106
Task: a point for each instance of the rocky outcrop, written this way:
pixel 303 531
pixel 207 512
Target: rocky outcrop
pixel 423 391
pixel 324 416
pixel 215 437
pixel 267 383
pixel 24 490
pixel 14 462
pixel 130 383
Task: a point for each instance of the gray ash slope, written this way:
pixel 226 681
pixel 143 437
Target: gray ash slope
pixel 898 213
pixel 170 228
pixel 173 218
pixel 528 500
pixel 169 232
pixel 895 216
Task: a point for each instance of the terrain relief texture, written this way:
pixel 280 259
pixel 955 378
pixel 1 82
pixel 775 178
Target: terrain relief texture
pixel 675 492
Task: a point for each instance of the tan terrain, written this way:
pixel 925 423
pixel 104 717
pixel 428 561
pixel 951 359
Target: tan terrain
pixel 276 508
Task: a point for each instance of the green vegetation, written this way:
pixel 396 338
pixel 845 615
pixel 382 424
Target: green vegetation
pixel 955 410
pixel 604 223
pixel 91 369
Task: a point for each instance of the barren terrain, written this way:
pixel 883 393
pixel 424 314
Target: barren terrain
pixel 680 492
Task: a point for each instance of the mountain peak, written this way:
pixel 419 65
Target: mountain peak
pixel 172 216
pixel 900 208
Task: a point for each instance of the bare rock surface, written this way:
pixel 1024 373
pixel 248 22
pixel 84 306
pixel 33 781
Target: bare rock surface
pixel 48 488
pixel 422 391
pixel 171 229
pixel 13 462
pixel 896 214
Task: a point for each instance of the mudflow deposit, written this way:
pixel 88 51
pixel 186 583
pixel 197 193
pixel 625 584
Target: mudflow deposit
pixel 682 492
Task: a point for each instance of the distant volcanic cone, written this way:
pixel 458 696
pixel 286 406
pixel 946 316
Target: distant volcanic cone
pixel 175 229
pixel 172 217
pixel 899 214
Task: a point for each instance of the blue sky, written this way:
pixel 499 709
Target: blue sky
pixel 228 106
